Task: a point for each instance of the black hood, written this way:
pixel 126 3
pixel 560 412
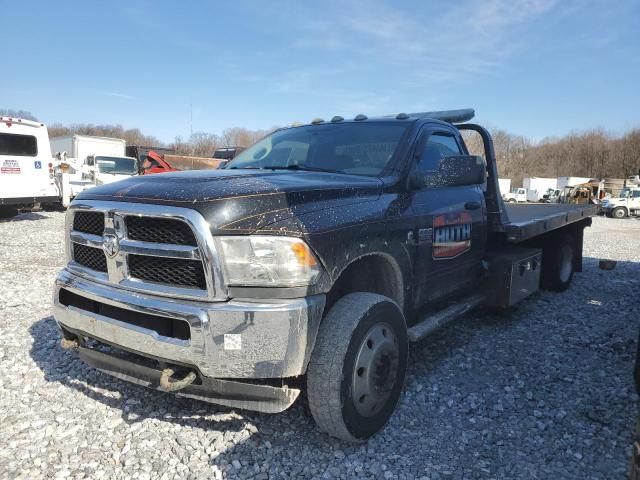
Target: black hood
pixel 242 201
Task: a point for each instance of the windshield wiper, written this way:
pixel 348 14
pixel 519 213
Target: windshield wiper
pixel 303 168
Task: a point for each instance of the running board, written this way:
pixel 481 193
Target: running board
pixel 439 319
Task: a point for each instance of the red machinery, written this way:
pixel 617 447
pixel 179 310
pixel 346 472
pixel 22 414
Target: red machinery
pixel 155 163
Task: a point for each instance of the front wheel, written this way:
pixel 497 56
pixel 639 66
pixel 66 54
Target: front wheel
pixel 357 368
pixel 511 200
pixel 619 212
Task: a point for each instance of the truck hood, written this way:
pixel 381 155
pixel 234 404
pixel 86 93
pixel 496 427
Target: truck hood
pixel 242 201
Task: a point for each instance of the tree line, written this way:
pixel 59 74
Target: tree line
pixel 199 144
pixel 594 153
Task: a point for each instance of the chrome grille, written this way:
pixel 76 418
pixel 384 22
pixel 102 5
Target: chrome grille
pixel 160 230
pixel 89 222
pixel 174 271
pixel 90 257
pixel 163 250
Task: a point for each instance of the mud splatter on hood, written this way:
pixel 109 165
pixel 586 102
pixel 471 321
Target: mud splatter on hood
pixel 242 201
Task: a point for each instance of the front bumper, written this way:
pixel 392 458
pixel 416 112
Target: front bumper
pixel 234 340
pixel 248 396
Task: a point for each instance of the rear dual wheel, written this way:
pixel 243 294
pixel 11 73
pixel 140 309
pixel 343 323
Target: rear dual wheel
pixel 357 369
pixel 558 262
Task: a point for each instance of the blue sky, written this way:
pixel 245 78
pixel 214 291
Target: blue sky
pixel 535 67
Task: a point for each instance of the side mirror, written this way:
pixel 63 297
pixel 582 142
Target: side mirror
pixel 460 170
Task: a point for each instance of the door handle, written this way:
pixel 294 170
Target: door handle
pixel 472 205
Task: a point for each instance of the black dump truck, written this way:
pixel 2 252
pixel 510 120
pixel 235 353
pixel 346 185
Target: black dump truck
pixel 310 262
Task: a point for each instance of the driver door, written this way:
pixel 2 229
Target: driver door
pixel 449 223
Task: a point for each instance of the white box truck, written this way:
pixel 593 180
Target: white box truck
pixel 537 186
pixel 93 160
pixel 505 185
pixel 80 147
pixel 26 168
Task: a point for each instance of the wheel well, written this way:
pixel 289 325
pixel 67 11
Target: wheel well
pixel 374 273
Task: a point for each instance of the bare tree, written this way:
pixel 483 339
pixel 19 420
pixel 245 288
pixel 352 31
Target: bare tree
pixel 8 112
pixel 203 144
pixel 180 146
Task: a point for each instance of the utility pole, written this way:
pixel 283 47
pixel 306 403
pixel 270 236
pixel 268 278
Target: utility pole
pixel 191 119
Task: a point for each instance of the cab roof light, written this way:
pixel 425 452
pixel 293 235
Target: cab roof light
pixel 360 117
pixel 402 116
pixel 337 118
pixel 317 121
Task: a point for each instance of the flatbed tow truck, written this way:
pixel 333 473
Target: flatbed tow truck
pixel 310 262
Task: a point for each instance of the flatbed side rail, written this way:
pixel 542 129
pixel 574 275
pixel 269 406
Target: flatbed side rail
pixel 545 219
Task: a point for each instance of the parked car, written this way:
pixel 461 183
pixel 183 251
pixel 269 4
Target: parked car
pixel 307 263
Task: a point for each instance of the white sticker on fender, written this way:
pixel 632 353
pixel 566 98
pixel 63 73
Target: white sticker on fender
pixel 232 341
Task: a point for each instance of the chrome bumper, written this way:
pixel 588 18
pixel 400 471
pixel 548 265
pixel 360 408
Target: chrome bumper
pixel 234 339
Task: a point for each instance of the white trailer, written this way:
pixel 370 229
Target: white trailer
pixel 537 186
pixel 26 168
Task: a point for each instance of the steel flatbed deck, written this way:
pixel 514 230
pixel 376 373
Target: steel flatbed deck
pixel 528 220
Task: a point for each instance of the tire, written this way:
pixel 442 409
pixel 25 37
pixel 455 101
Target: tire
pixel 619 212
pixel 8 212
pixel 362 330
pixel 511 200
pixel 558 264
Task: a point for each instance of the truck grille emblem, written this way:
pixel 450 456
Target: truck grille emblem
pixel 110 245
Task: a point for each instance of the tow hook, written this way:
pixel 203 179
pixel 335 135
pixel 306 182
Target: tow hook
pixel 69 344
pixel 173 386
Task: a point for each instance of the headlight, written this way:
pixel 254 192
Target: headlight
pixel 262 261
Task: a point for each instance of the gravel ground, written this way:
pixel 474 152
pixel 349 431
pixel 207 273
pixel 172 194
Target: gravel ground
pixel 541 391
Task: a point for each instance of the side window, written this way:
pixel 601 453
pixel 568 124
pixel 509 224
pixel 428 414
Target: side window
pixel 438 146
pixel 636 194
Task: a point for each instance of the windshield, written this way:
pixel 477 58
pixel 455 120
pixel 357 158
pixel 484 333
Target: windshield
pixel 116 165
pixel 625 192
pixel 354 148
